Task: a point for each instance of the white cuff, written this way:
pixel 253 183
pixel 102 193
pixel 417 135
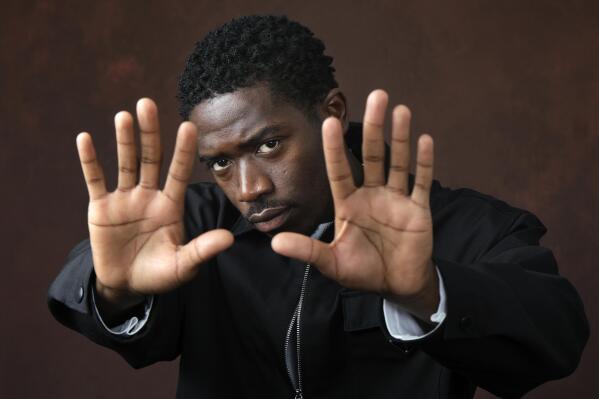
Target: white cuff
pixel 403 326
pixel 131 326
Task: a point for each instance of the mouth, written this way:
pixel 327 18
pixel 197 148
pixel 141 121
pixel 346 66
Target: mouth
pixel 270 218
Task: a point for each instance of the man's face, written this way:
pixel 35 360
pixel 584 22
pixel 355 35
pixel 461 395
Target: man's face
pixel 266 155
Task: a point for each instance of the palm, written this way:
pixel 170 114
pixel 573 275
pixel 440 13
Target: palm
pixel 383 231
pixel 141 235
pixel 136 232
pixel 383 235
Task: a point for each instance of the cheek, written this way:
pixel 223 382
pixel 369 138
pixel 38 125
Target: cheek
pixel 230 190
pixel 303 173
pixel 229 184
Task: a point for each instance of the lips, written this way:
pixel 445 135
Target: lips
pixel 270 218
pixel 267 214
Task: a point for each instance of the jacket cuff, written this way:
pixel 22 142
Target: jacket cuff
pixel 403 326
pixel 72 286
pixel 132 325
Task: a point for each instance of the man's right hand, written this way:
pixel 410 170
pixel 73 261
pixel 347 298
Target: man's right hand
pixel 136 232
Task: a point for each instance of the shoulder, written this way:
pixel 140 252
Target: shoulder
pixel 468 223
pixel 470 203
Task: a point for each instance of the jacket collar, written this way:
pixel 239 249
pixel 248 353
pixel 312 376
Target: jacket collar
pixel 241 226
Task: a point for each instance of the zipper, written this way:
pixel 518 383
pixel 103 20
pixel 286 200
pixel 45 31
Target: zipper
pixel 294 363
pixel 295 376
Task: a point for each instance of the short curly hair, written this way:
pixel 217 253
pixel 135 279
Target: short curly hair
pixel 257 49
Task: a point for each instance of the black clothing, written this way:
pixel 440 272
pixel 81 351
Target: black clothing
pixel 512 322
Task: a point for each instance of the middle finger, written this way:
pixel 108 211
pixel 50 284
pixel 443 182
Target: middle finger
pixel 151 152
pixel 373 141
pixel 123 123
pixel 400 150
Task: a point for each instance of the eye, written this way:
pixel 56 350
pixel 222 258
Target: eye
pixel 220 164
pixel 269 146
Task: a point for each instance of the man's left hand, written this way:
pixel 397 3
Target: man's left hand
pixel 383 234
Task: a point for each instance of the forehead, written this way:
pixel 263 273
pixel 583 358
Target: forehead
pixel 230 117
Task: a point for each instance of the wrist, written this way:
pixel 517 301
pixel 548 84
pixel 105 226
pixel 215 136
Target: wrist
pixel 117 298
pixel 425 302
pixel 114 305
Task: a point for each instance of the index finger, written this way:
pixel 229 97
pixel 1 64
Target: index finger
pixel 92 171
pixel 373 142
pixel 338 170
pixel 182 163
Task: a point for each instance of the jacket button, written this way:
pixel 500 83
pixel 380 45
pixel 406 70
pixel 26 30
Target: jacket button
pixel 406 349
pixel 466 323
pixel 80 294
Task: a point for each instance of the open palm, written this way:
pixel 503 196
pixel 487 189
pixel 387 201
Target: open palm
pixel 136 232
pixel 383 235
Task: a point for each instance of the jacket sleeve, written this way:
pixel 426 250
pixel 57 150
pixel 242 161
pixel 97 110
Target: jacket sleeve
pixel 70 302
pixel 70 296
pixel 512 321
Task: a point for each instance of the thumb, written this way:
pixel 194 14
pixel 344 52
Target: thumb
pixel 306 249
pixel 199 250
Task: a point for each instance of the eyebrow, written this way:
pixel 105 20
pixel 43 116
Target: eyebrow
pixel 247 142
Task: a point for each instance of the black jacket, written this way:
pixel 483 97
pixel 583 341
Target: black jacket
pixel 512 321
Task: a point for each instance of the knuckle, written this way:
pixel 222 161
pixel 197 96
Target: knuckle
pixel 374 124
pixel 94 180
pixel 128 170
pixel 373 158
pixel 147 185
pixel 338 178
pixel 178 177
pixel 149 160
pixel 397 190
pixel 398 168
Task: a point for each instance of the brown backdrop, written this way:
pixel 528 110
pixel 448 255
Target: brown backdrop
pixel 510 92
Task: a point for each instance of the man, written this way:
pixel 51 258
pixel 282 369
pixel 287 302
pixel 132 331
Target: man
pixel 404 289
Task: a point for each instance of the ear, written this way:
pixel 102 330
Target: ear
pixel 335 105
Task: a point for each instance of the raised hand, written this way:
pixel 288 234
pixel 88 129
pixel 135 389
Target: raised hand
pixel 383 234
pixel 136 232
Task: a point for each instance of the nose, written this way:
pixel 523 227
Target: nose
pixel 253 182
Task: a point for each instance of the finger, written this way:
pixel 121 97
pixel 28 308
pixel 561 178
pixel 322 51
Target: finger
pixel 125 140
pixel 306 249
pixel 424 171
pixel 400 150
pixel 151 152
pixel 181 167
pixel 373 140
pixel 92 171
pixel 338 170
pixel 200 250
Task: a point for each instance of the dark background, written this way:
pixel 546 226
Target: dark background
pixel 508 89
